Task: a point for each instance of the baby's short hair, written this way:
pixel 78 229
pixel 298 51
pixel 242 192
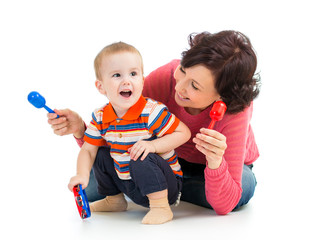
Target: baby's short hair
pixel 113 48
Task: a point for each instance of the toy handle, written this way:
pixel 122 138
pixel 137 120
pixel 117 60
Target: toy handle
pixel 50 110
pixel 211 125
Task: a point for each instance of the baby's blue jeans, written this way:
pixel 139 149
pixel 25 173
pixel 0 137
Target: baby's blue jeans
pixel 153 174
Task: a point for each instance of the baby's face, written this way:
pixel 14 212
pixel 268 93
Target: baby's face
pixel 122 80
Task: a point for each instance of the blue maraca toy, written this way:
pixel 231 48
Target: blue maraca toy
pixel 38 101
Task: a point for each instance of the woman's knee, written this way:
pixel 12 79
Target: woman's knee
pixel 248 186
pixel 248 182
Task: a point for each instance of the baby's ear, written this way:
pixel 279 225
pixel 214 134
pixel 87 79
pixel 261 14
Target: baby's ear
pixel 100 87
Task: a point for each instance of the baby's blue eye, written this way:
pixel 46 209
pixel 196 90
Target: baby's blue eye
pixel 133 74
pixel 116 75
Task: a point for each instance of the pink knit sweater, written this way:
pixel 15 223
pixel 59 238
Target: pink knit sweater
pixel 222 185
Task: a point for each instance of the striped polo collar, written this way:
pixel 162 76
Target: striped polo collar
pixel 133 113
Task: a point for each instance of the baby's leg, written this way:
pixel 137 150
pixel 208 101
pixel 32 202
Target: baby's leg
pixel 157 187
pixel 108 183
pixel 160 211
pixel 116 203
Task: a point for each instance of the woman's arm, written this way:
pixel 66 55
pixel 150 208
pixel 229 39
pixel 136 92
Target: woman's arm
pixel 224 171
pixel 69 122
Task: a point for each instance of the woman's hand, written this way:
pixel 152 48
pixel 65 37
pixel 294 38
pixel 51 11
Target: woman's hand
pixel 78 179
pixel 212 144
pixel 69 122
pixel 140 147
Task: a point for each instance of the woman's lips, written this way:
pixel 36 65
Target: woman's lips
pixel 182 98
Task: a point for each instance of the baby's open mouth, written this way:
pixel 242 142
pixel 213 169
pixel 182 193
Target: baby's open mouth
pixel 126 93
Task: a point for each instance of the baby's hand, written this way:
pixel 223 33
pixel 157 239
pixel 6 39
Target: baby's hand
pixel 78 179
pixel 140 147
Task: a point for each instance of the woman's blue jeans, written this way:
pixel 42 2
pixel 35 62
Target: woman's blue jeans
pixel 193 189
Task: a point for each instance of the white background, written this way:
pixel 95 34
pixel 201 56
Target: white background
pixel 49 47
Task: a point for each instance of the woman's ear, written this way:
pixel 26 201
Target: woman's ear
pixel 100 87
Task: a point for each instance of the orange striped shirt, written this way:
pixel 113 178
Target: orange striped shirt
pixel 146 120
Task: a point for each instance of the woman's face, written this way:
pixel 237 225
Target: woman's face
pixel 195 88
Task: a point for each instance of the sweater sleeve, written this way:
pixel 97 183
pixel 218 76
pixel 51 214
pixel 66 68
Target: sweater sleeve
pixel 80 141
pixel 223 185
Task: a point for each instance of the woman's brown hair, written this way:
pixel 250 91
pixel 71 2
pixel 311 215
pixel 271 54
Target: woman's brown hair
pixel 230 57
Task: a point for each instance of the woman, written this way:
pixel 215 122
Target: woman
pixel 216 164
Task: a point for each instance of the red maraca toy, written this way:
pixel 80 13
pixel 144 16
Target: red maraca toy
pixel 217 113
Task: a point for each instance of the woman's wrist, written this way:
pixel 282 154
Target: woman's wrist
pixel 80 133
pixel 213 164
